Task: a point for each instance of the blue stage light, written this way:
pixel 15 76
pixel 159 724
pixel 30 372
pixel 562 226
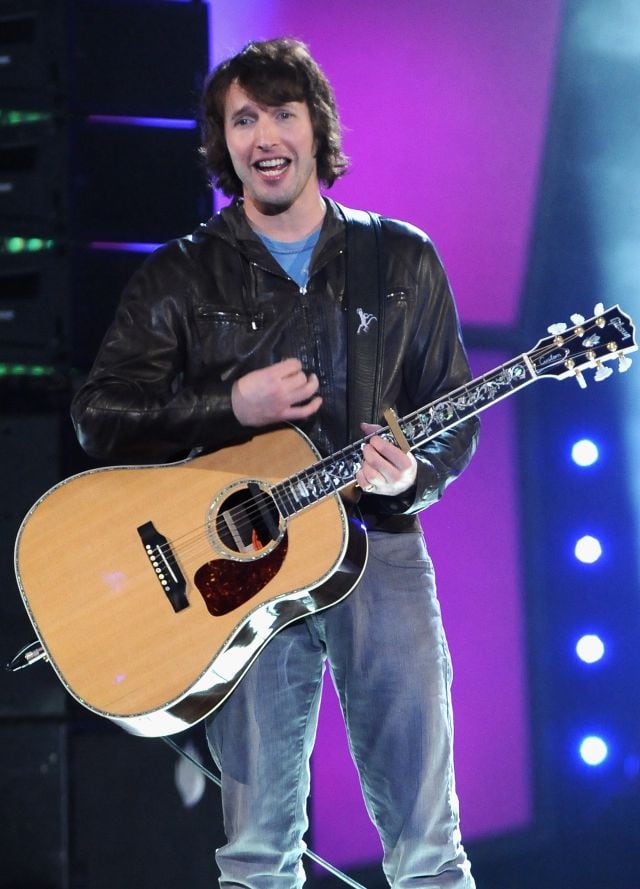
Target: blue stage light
pixel 585 452
pixel 593 750
pixel 590 648
pixel 588 549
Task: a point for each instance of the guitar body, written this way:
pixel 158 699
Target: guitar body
pixel 151 603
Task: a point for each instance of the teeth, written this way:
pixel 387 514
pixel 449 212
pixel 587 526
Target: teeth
pixel 273 166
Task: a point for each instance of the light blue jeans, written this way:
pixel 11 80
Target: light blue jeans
pixel 390 663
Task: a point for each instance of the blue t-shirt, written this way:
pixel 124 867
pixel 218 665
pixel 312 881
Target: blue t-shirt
pixel 293 256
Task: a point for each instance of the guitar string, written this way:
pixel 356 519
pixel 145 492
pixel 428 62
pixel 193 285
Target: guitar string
pixel 199 540
pixel 244 517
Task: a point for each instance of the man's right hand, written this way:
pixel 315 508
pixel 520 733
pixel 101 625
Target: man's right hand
pixel 275 394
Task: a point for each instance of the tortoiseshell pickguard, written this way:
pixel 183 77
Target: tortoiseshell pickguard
pixel 226 584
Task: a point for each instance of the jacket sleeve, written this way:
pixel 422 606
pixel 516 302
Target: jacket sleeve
pixel 435 363
pixel 136 404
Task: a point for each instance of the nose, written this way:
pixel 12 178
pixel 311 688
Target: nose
pixel 266 133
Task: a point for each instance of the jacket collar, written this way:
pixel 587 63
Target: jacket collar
pixel 231 225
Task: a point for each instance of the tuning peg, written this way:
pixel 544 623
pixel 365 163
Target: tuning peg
pixel 602 372
pixel 557 329
pixel 598 309
pixel 624 363
pixel 580 379
pixel 577 319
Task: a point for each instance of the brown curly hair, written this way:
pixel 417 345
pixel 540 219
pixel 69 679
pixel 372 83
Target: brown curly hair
pixel 271 72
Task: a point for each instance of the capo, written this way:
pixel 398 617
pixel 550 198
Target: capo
pixel 392 421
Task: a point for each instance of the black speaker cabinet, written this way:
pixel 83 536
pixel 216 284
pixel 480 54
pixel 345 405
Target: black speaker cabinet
pixel 29 465
pixel 33 806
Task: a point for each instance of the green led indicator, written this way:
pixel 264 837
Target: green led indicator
pixel 17 244
pixel 14 245
pixel 13 117
pixel 25 370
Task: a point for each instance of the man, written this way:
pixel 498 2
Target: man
pixel 240 327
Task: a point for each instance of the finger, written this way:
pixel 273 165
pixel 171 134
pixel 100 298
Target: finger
pixel 287 367
pixel 301 411
pixel 309 386
pixel 373 457
pixel 363 482
pixel 368 480
pixel 295 380
pixel 389 453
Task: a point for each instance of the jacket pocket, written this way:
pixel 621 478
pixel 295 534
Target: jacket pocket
pixel 219 316
pixel 227 341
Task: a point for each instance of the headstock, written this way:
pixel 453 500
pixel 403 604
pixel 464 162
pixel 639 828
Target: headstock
pixel 609 335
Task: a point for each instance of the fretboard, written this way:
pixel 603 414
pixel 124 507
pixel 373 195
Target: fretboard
pixel 333 473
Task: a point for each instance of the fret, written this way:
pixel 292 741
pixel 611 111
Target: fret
pixel 280 496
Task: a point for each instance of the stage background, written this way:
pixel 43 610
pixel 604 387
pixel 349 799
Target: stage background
pixel 508 132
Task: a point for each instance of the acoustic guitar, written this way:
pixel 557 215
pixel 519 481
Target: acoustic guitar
pixel 152 589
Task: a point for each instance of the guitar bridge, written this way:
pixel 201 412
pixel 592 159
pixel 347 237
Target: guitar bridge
pixel 164 564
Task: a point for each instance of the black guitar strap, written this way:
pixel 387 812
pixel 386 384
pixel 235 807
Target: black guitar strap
pixel 364 296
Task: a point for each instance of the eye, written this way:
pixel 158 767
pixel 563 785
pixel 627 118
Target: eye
pixel 242 120
pixel 285 115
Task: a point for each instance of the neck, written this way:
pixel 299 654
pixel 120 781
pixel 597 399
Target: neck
pixel 290 224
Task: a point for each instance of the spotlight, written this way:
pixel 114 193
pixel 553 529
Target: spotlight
pixel 588 549
pixel 593 750
pixel 590 648
pixel 585 452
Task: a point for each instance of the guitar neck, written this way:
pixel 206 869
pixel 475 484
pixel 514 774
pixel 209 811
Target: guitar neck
pixel 336 472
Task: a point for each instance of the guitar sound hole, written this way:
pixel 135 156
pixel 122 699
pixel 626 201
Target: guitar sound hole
pixel 248 520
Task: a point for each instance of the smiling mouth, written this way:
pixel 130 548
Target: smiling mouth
pixel 272 167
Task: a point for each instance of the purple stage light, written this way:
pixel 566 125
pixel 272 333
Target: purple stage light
pixel 166 123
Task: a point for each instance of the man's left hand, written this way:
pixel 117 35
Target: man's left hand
pixel 386 469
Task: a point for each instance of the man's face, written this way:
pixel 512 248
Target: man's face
pixel 272 150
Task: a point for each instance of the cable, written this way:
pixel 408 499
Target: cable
pixel 29 653
pixel 308 852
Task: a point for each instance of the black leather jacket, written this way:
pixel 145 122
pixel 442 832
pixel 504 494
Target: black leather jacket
pixel 207 308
